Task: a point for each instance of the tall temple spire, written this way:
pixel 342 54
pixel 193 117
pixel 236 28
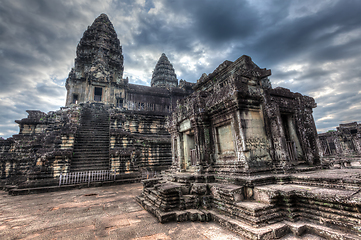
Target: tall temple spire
pixel 98 64
pixel 99 44
pixel 163 74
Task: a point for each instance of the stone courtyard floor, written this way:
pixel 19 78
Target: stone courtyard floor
pixel 93 213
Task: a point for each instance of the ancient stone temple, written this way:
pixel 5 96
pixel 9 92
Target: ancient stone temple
pixel 342 146
pixel 236 123
pixel 107 123
pixel 246 155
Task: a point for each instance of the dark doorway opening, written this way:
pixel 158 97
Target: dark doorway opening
pixel 120 102
pixel 75 98
pixel 98 94
pixel 290 144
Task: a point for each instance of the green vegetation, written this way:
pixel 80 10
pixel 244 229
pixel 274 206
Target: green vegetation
pixel 331 131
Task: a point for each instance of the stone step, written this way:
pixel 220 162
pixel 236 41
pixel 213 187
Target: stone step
pixel 271 231
pixel 91 150
pixel 254 208
pixel 94 128
pixel 89 162
pixel 94 125
pixel 92 141
pixel 89 159
pixel 331 207
pixel 306 230
pixel 270 193
pixel 282 230
pixel 90 153
pixel 86 150
pixel 252 213
pixel 90 167
pixel 92 132
pixel 93 136
pixel 91 144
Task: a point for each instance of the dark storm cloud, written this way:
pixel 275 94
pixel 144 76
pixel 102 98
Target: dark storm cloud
pixel 218 22
pixel 312 47
pixel 34 39
pixel 307 35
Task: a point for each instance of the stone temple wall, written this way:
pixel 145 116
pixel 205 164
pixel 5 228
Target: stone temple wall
pixel 43 147
pixel 138 141
pixel 48 144
pixel 345 141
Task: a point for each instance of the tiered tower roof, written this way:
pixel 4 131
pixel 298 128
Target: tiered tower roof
pixel 99 54
pixel 163 74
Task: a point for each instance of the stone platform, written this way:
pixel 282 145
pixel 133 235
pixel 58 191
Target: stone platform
pixel 324 203
pixel 93 213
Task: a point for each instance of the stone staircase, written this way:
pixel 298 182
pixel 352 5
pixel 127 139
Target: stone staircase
pixel 91 149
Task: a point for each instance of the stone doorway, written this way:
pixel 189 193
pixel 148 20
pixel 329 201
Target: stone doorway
pixel 98 92
pixel 189 151
pixel 75 98
pixel 293 145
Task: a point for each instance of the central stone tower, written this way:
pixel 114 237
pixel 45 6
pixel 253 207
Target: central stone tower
pixel 98 65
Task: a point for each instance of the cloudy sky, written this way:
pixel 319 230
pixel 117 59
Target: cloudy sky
pixel 312 47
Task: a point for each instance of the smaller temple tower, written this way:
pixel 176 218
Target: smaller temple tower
pixel 163 74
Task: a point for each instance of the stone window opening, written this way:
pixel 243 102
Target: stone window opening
pixel 98 94
pixel 75 98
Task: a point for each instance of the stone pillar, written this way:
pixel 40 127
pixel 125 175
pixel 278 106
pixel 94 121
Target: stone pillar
pixel 180 151
pixel 278 137
pixel 202 141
